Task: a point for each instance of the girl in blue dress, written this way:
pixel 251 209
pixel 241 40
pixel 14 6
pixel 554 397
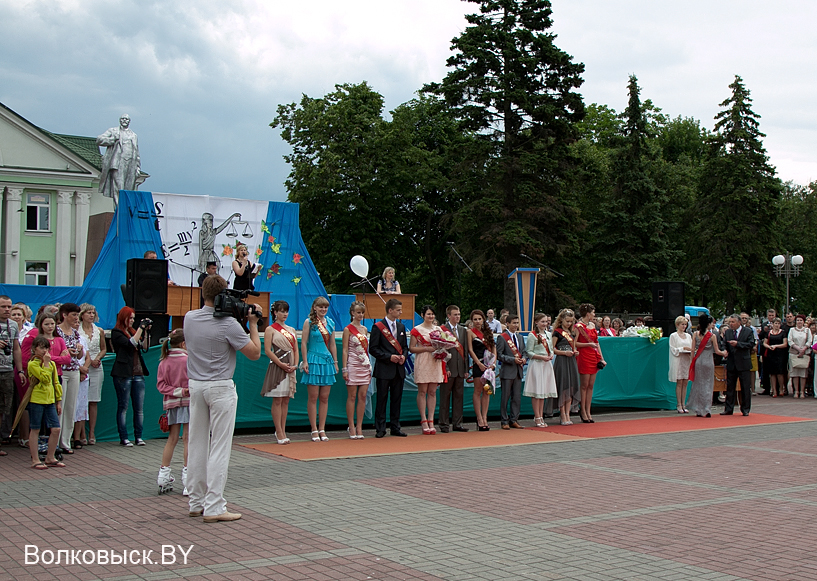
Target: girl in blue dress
pixel 320 364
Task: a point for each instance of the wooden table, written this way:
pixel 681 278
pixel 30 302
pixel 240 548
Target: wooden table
pixel 376 308
pixel 181 299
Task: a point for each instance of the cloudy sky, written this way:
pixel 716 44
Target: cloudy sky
pixel 202 79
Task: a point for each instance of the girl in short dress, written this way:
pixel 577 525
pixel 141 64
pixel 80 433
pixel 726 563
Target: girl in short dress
pixel 589 358
pixel 565 368
pixel 428 371
pixel 320 364
pixel 540 382
pixel 357 368
pixel 281 346
pixel 482 348
pixel 172 383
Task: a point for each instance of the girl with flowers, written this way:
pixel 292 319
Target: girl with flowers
pixel 482 348
pixel 428 370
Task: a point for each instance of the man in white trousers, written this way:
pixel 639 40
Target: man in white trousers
pixel 212 343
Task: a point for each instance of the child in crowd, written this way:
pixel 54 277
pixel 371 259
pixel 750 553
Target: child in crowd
pixel 171 381
pixel 45 403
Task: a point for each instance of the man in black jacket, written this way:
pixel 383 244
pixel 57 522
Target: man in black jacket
pixel 740 341
pixel 388 345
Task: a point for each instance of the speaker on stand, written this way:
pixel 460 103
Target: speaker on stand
pixel 145 291
pixel 668 302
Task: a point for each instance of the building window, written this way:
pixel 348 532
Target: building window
pixel 37 273
pixel 38 213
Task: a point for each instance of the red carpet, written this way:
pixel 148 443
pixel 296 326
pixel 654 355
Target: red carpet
pixel 371 446
pixel 676 423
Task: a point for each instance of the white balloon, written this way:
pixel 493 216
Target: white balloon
pixel 359 265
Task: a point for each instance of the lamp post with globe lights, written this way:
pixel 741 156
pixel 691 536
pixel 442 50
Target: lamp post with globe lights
pixel 787 266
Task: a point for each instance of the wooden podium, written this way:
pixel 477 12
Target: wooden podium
pixel 181 299
pixel 376 308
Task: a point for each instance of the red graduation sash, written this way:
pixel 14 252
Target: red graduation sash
pixel 460 348
pixel 509 340
pixel 360 336
pixel 287 335
pixel 541 341
pixel 324 332
pixel 419 336
pixel 700 350
pixel 389 337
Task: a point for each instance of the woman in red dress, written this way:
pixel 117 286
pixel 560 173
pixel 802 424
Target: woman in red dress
pixel 590 359
pixel 606 329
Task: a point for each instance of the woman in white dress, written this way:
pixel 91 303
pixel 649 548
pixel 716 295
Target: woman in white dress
pixel 800 341
pixel 680 356
pixel 540 382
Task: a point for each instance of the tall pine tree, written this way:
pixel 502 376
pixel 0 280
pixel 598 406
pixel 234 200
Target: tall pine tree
pixel 510 83
pixel 735 237
pixel 633 249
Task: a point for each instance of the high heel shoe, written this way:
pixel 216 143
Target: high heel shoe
pixel 351 435
pixel 431 427
pixel 322 434
pixel 426 431
pixel 316 436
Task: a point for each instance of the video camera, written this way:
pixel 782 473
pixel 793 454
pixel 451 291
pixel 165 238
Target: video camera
pixel 230 303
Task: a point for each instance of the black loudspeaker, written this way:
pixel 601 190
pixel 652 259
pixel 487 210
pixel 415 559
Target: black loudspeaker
pixel 667 300
pixel 145 288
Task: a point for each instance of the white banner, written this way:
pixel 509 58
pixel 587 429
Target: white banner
pixel 196 230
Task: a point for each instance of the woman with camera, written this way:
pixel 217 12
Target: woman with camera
pixel 128 372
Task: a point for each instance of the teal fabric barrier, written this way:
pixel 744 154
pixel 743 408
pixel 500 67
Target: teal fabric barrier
pixel 635 377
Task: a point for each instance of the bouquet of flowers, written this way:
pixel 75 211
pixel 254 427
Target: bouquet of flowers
pixel 651 333
pixel 489 375
pixel 442 341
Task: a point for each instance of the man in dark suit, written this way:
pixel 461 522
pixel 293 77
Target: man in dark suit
pixel 739 344
pixel 457 369
pixel 388 345
pixel 212 268
pixel 510 350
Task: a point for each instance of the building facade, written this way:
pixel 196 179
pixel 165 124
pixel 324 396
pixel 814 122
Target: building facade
pixel 49 184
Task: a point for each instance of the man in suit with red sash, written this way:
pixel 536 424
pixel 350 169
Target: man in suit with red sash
pixel 389 346
pixel 511 351
pixel 457 369
pixel 739 343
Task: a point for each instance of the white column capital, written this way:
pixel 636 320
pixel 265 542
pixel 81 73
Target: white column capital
pixel 65 196
pixel 83 198
pixel 14 194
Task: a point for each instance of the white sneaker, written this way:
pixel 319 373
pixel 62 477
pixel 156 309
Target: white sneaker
pixel 126 443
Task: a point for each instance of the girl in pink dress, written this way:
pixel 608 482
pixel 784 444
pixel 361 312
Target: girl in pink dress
pixel 357 368
pixel 428 371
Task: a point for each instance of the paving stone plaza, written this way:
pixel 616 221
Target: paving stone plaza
pixel 725 504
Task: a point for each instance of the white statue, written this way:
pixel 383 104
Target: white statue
pixel 120 164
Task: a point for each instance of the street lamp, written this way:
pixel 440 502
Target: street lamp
pixel 787 266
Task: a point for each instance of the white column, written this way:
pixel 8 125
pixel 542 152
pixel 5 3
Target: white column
pixel 81 237
pixel 14 198
pixel 62 234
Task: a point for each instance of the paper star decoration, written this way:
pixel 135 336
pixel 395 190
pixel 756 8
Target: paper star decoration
pixel 296 258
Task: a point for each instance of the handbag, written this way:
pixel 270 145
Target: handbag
pixel 601 364
pixel 163 425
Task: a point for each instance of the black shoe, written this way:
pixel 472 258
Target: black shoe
pixel 483 428
pixel 726 413
pixel 708 415
pixel 380 434
pixel 444 429
pixel 745 413
pixel 399 432
pixel 460 429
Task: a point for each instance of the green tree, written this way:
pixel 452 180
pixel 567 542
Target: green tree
pixel 739 201
pixel 797 220
pixel 633 248
pixel 337 162
pixel 512 85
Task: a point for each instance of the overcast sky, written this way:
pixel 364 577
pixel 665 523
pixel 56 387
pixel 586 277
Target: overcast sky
pixel 202 79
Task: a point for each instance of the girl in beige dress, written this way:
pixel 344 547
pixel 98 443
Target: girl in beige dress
pixel 428 371
pixel 281 346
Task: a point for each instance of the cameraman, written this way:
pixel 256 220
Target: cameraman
pixel 211 346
